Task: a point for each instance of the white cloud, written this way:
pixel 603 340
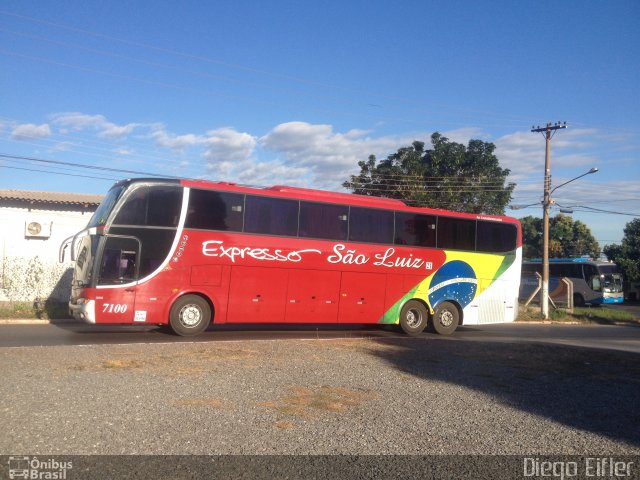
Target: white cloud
pixel 225 151
pixel 270 173
pixel 28 131
pixel 80 121
pixel 330 157
pixel 124 151
pixel 520 152
pixel 227 145
pixel 63 146
pixel 110 130
pixel 576 138
pixel 175 142
pixel 524 152
pixel 574 160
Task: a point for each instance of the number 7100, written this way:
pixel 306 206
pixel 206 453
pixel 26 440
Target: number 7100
pixel 114 308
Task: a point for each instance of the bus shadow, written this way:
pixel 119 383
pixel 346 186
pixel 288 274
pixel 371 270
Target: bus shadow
pixel 589 389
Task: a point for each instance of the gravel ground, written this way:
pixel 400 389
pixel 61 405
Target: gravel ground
pixel 351 396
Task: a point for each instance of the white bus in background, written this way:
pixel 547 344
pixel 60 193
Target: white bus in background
pixel 594 282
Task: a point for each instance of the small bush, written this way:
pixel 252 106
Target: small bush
pixel 558 315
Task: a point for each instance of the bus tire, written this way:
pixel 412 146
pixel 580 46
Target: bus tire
pixel 190 315
pixel 578 300
pixel 413 317
pixel 446 318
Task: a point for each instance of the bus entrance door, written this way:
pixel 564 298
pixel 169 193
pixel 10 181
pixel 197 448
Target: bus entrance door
pixel 116 292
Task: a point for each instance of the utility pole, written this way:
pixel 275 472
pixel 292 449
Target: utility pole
pixel 548 132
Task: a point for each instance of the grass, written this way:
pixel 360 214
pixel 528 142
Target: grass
pixel 599 315
pixel 603 315
pixel 34 310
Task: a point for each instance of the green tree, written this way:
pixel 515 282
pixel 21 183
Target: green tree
pixel 531 237
pixel 449 176
pixel 627 254
pixel 567 238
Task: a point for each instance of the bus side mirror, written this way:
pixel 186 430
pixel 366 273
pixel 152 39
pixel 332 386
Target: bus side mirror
pixel 63 247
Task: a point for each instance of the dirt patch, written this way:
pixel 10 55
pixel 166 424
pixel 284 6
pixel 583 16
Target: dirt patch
pixel 124 364
pixel 190 362
pixel 310 402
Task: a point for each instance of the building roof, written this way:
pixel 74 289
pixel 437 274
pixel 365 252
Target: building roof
pixel 38 196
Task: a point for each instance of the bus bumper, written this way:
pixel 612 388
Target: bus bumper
pixel 611 300
pixel 84 310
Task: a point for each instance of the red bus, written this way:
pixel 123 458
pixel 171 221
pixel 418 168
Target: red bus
pixel 187 253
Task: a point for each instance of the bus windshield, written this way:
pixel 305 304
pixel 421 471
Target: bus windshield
pixel 612 283
pixel 608 269
pixel 101 215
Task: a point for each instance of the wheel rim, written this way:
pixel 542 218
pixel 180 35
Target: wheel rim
pixel 414 318
pixel 446 318
pixel 190 315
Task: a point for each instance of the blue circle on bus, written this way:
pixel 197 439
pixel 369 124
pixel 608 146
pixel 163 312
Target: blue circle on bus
pixel 456 281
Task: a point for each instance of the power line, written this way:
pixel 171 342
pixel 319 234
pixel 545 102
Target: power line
pixel 599 210
pixel 58 173
pixel 80 165
pixel 409 102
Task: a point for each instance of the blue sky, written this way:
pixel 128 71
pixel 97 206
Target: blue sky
pixel 290 92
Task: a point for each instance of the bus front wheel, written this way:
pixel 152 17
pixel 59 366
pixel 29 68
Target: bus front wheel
pixel 190 315
pixel 446 318
pixel 578 300
pixel 413 318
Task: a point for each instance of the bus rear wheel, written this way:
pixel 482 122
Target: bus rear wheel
pixel 446 318
pixel 413 318
pixel 190 315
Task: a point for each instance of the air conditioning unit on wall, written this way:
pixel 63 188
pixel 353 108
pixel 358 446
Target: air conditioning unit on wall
pixel 35 228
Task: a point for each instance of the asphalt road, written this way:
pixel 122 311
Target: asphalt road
pixel 613 337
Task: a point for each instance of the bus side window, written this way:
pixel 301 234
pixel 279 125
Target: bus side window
pixel 211 210
pixel 271 216
pixel 370 225
pixel 415 230
pixel 326 221
pixel 589 272
pixel 594 283
pixel 456 233
pixel 496 237
pixel 573 271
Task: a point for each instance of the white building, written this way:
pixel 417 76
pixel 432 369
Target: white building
pixel 33 224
